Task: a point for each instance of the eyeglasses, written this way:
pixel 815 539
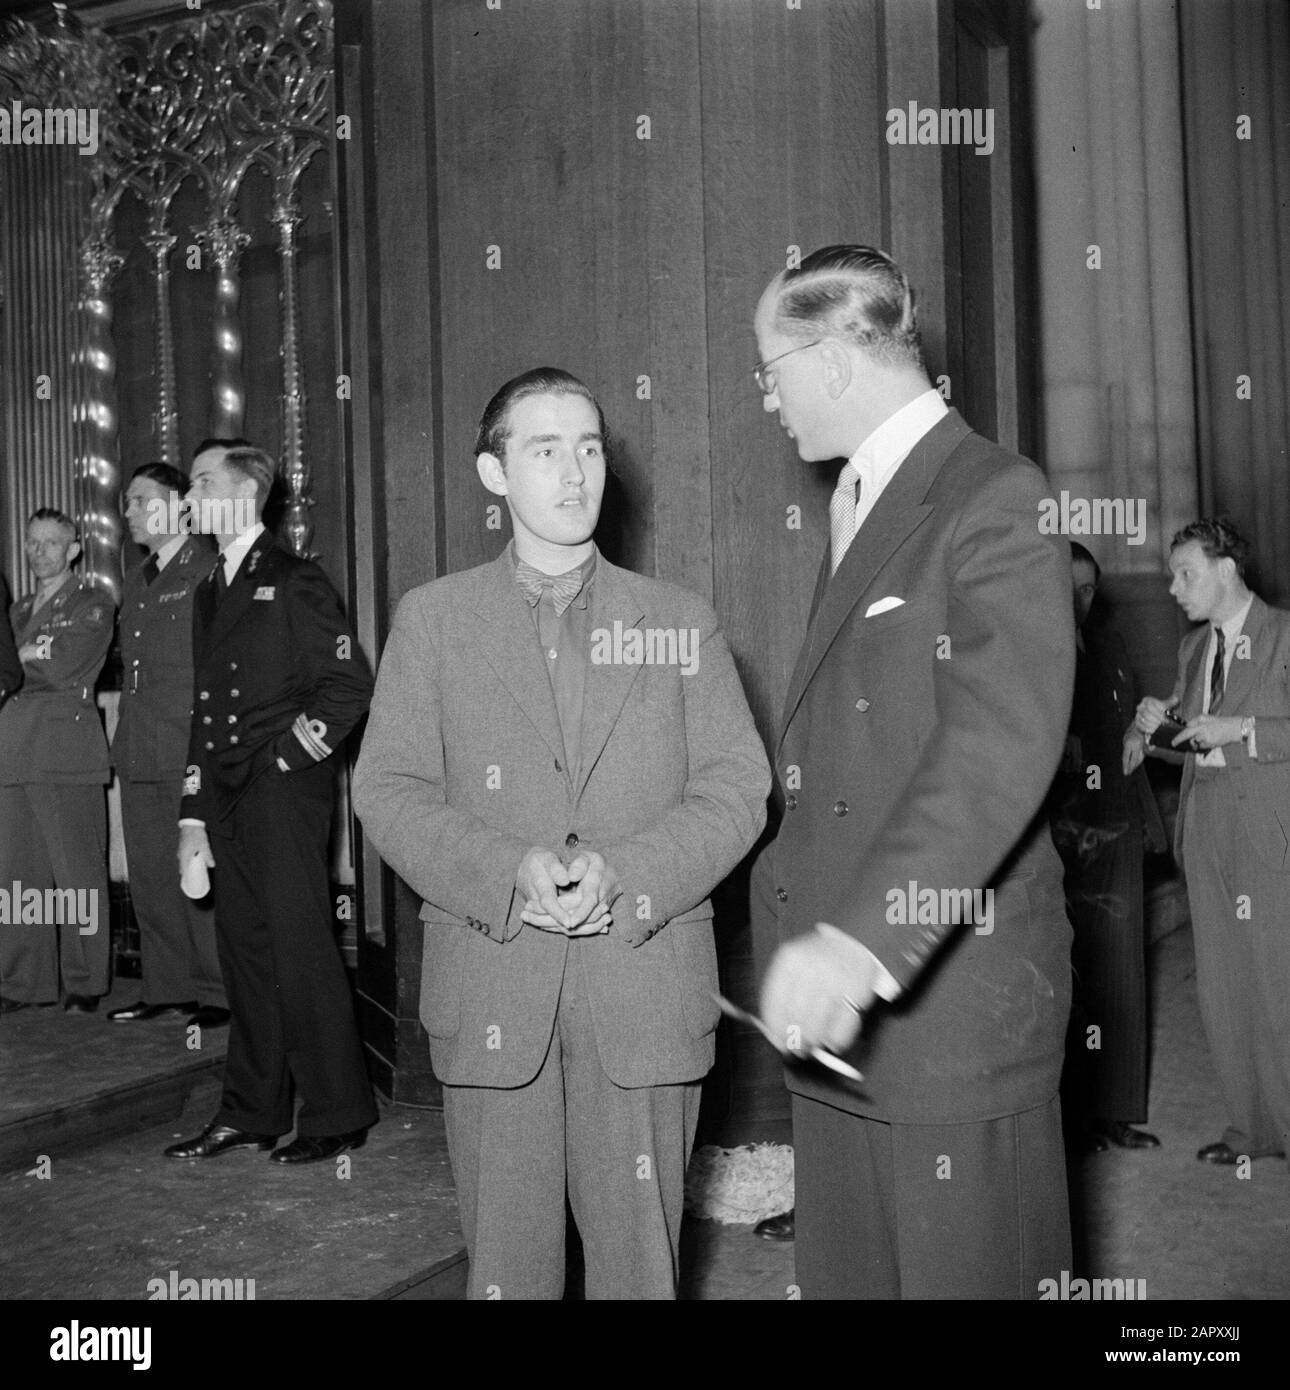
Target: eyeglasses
pixel 765 378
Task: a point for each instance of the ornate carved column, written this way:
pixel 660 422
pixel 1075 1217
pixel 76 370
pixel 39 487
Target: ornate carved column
pixel 165 417
pixel 98 464
pixel 224 241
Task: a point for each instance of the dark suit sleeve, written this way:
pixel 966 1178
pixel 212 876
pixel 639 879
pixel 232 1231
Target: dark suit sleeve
pixel 338 677
pixel 1003 698
pixel 671 867
pixel 448 856
pixel 10 666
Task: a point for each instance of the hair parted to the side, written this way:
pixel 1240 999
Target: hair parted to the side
pixel 494 423
pixel 163 473
pixel 246 461
pixel 855 293
pixel 53 514
pixel 237 442
pixel 1220 539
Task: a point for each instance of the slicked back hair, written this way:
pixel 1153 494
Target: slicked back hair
pixel 854 293
pixel 1220 540
pixel 495 426
pixel 235 443
pixel 169 478
pixel 246 461
pixel 53 514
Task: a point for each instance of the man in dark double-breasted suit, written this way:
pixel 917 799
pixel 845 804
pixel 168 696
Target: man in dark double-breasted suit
pixel 53 770
pixel 912 882
pixel 181 972
pixel 279 681
pixel 561 762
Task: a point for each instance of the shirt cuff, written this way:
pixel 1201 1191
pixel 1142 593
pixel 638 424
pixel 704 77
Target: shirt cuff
pixel 188 820
pixel 885 984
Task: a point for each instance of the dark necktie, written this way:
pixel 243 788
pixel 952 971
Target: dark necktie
pixel 221 579
pixel 151 569
pixel 564 587
pixel 1216 674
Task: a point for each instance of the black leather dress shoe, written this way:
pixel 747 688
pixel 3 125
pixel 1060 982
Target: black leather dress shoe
pixel 311 1148
pixel 781 1227
pixel 219 1139
pixel 1219 1153
pixel 80 1004
pixel 209 1016
pixel 1124 1136
pixel 143 1013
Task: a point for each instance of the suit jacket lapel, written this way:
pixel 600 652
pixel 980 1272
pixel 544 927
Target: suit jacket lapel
pixel 508 642
pixel 1240 673
pixel 612 600
pixel 1193 692
pixel 898 513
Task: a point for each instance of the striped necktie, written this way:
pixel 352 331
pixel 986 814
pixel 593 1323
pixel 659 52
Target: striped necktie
pixel 1217 674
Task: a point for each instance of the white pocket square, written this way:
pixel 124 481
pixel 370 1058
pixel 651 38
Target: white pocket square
pixel 884 605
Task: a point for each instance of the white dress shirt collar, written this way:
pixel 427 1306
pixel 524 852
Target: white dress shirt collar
pixel 167 552
pixel 882 453
pixel 236 550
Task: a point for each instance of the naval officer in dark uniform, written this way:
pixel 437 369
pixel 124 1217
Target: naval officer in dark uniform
pixel 53 769
pixel 279 681
pixel 181 974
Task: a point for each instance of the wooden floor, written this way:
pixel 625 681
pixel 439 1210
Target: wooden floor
pixel 87 1213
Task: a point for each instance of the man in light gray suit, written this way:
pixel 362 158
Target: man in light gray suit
pixel 561 762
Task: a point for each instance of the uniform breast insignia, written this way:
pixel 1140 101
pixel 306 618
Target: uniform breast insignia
pixel 174 595
pixel 266 591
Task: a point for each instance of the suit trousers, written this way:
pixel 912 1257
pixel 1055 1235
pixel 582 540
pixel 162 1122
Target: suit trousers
pixel 887 1211
pixel 1108 1081
pixel 55 835
pixel 620 1153
pixel 1242 965
pixel 176 935
pixel 293 1015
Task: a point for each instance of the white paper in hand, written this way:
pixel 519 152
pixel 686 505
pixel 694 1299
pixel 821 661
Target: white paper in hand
pixel 196 879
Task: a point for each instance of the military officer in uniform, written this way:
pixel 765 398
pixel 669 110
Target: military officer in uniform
pixel 10 666
pixel 181 974
pixel 53 769
pixel 280 681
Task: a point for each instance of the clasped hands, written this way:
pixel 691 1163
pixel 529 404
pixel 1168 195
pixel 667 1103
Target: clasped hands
pixel 571 899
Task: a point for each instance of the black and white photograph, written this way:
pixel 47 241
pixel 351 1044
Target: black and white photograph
pixel 644 655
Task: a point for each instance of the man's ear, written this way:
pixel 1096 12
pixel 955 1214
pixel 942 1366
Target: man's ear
pixel 492 474
pixel 837 368
pixel 73 552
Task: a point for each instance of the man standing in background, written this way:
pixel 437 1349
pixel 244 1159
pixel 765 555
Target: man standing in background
pixel 1233 697
pixel 181 974
pixel 280 681
pixel 1104 818
pixel 53 770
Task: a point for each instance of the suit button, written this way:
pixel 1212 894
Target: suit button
pixel 233 738
pixel 781 895
pixel 203 694
pixel 840 808
pixel 235 693
pixel 210 747
pixel 135 662
pixel 790 802
pixel 862 705
pixel 206 719
pixel 232 665
pixel 571 841
pixel 138 634
pixel 232 719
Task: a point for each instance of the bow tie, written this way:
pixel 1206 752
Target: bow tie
pixel 564 587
